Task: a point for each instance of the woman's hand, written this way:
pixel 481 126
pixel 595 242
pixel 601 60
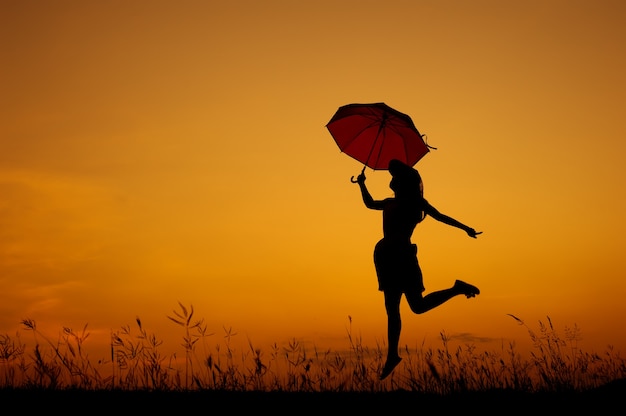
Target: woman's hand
pixel 472 232
pixel 359 179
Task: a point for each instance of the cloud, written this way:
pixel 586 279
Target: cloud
pixel 469 338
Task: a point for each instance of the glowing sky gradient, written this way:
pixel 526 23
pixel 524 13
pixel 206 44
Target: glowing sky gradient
pixel 155 151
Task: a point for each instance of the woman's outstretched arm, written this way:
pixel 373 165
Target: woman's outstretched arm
pixel 367 198
pixel 432 211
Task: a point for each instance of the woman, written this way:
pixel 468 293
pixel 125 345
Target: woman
pixel 395 257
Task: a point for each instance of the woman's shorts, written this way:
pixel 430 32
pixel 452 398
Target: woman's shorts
pixel 397 267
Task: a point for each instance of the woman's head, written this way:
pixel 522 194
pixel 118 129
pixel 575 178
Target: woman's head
pixel 405 181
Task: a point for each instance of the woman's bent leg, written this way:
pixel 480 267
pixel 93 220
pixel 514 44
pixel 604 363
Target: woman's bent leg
pixel 420 304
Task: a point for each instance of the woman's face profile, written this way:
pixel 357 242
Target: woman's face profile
pixel 393 184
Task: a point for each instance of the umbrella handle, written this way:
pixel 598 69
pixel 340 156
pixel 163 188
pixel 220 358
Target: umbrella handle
pixel 354 180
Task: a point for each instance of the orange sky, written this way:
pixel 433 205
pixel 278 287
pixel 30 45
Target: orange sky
pixel 154 151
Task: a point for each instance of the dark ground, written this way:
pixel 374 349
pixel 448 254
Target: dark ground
pixel 606 399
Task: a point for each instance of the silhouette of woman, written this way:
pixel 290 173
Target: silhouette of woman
pixel 395 257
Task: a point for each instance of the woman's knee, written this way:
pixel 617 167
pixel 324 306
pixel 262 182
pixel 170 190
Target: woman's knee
pixel 416 302
pixel 418 308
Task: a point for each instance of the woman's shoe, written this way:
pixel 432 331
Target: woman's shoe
pixel 465 288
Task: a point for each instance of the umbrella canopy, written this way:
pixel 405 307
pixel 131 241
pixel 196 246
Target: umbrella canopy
pixel 375 133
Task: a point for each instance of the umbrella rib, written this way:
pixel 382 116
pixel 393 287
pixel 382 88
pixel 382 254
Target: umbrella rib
pixel 395 128
pixel 382 124
pixel 404 142
pixel 385 122
pixel 357 134
pixel 380 129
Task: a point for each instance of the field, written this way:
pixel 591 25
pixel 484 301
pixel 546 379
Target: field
pixel 557 376
pixel 604 400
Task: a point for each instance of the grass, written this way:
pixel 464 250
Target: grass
pixel 556 367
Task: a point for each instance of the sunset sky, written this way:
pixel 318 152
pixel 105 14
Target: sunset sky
pixel 156 152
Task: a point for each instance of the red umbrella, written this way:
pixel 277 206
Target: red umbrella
pixel 375 133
